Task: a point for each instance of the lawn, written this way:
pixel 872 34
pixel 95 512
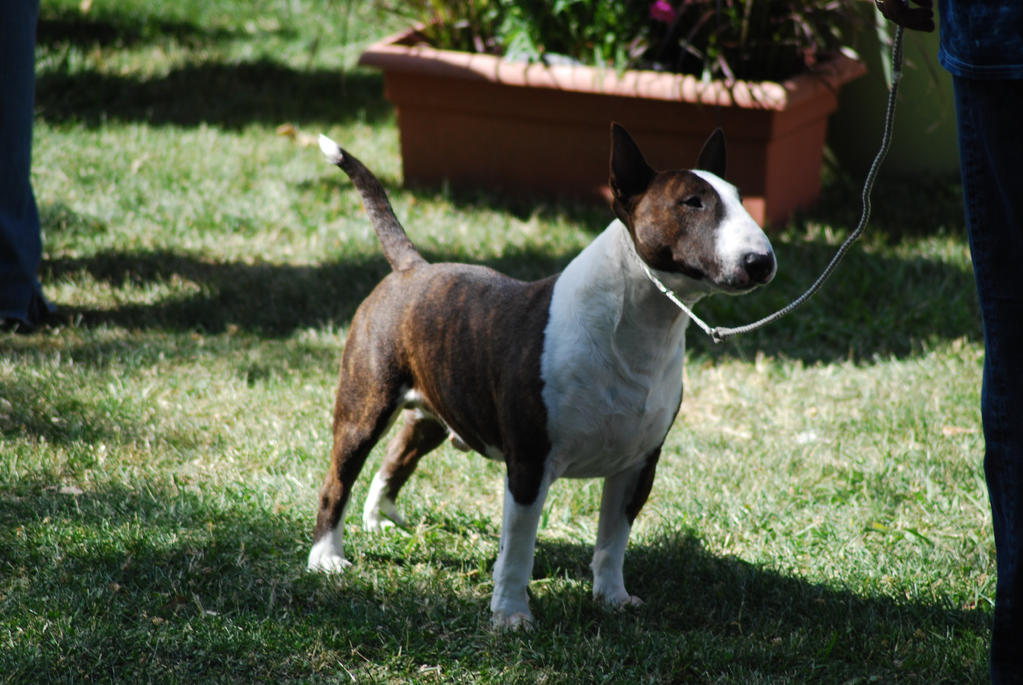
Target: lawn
pixel 819 514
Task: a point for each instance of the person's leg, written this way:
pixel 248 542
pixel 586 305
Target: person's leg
pixel 991 148
pixel 20 241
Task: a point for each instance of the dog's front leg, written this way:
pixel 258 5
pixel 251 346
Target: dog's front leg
pixel 514 566
pixel 624 495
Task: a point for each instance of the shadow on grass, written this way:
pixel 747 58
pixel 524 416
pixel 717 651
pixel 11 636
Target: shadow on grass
pixel 873 306
pixel 269 299
pixel 61 418
pixel 111 28
pixel 170 582
pixel 228 95
pixel 273 300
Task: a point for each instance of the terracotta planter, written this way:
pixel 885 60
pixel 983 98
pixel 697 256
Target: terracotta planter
pixel 476 120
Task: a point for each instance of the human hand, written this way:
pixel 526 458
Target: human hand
pixel 918 18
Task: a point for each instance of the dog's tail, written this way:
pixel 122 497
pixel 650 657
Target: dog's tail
pixel 397 247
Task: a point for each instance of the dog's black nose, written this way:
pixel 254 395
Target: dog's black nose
pixel 759 266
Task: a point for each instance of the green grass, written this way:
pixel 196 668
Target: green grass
pixel 819 514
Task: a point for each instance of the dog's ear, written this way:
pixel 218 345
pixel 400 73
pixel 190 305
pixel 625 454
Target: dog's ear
pixel 712 155
pixel 630 173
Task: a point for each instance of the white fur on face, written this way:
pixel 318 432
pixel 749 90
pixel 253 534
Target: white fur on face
pixel 738 235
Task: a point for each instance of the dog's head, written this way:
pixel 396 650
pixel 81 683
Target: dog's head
pixel 690 223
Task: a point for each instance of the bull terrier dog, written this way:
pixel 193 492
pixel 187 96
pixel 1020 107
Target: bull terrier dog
pixel 578 375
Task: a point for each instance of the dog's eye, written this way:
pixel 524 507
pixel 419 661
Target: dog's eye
pixel 693 201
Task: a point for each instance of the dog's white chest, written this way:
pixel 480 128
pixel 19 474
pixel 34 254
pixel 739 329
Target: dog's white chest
pixel 612 364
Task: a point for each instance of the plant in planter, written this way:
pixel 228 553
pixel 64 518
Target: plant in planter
pixel 520 95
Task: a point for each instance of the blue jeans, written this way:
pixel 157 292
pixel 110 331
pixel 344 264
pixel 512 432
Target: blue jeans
pixel 20 241
pixel 991 159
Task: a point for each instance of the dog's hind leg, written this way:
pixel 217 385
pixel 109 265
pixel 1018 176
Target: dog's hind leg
pixel 623 497
pixel 419 435
pixel 360 420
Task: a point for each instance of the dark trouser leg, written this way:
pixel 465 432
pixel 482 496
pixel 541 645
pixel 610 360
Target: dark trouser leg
pixel 991 149
pixel 20 243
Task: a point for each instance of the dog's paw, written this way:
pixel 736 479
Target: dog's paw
pixel 630 601
pixel 376 522
pixel 618 601
pixel 513 621
pixel 328 564
pixel 324 557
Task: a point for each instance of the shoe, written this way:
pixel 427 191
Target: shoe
pixel 40 312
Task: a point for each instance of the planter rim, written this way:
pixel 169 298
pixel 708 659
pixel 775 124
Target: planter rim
pixel 401 52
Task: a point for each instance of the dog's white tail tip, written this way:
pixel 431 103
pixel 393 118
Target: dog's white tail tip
pixel 331 150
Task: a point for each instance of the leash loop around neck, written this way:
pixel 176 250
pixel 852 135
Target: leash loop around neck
pixel 676 300
pixel 719 334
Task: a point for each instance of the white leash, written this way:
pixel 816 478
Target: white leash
pixel 675 300
pixel 719 334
